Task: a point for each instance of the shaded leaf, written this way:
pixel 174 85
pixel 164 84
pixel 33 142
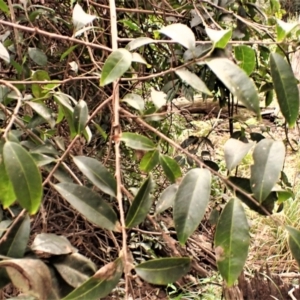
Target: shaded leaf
pixel 81 18
pixel 294 242
pixel 100 284
pixel 135 101
pixel 166 198
pixel 117 63
pixel 245 55
pixel 38 56
pixel 90 204
pixel 170 167
pixel 41 159
pixel 232 241
pixel 24 176
pixel 268 156
pixel 285 85
pixel 163 271
pixel 67 52
pixel 149 161
pixel 235 151
pixel 139 42
pixel 80 116
pixel 137 141
pixel 141 204
pixel 237 81
pixel 97 174
pixel 43 111
pixel 190 202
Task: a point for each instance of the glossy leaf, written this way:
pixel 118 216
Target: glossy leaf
pixel 135 101
pixel 283 29
pixel 80 116
pixel 137 141
pixel 15 244
pixel 38 56
pixel 285 85
pixel 141 204
pixel 193 80
pixel 181 34
pixel 36 89
pixel 41 159
pixel 139 42
pixel 246 58
pixel 136 57
pixel 117 63
pixel 24 176
pixel 159 98
pixel 100 284
pixel 235 151
pixel 163 271
pixel 268 158
pixel 220 38
pixel 232 241
pixel 90 204
pixel 43 111
pixel 97 174
pixel 170 167
pixel 81 18
pixel 166 198
pixel 4 53
pixel 149 161
pixel 190 202
pixel 294 242
pixel 237 81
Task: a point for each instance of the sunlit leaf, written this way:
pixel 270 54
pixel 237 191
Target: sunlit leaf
pixel 149 161
pixel 170 167
pixel 268 158
pixel 3 6
pixel 81 18
pixel 137 141
pixel 163 271
pixel 90 205
pixel 117 63
pixel 141 204
pixel 135 101
pixel 166 198
pixel 24 176
pixel 37 90
pixel 220 38
pixel 190 202
pixel 283 29
pixel 139 42
pixel 232 241
pixel 4 53
pixel 136 57
pixel 38 56
pixel 159 98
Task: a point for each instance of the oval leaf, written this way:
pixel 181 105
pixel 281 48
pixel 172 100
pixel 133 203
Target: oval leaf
pixel 235 151
pixel 100 284
pixel 166 198
pixel 4 53
pixel 97 174
pixel 43 111
pixel 237 81
pixel 190 202
pixel 141 204
pixel 24 176
pixel 181 34
pixel 135 101
pixel 90 204
pixel 117 63
pixel 285 85
pixel 137 141
pixel 268 158
pixel 232 241
pixel 163 271
pixel 38 56
pixel 149 161
pixel 193 80
pixel 246 57
pixel 158 98
pixel 80 116
pixel 37 89
pixel 81 18
pixel 139 42
pixel 294 242
pixel 170 167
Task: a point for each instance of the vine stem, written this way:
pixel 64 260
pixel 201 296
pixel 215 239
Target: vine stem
pixel 117 135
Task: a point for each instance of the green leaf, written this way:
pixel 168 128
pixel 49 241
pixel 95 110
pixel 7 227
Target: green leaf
pixel 159 98
pixel 163 271
pixel 97 174
pixel 80 116
pixel 170 167
pixel 117 63
pixel 141 204
pixel 90 204
pixel 190 202
pixel 220 38
pixel 283 29
pixel 36 88
pixel 4 7
pixel 24 176
pixel 100 284
pixel 7 195
pixel 136 57
pixel 181 34
pixel 268 158
pixel 67 52
pixel 237 81
pixel 15 244
pixel 135 101
pixel 43 111
pixel 166 198
pixel 285 85
pixel 232 241
pixel 41 159
pixel 149 161
pixel 137 141
pixel 139 42
pixel 294 242
pixel 235 151
pixel 245 55
pixel 38 56
pixel 193 80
